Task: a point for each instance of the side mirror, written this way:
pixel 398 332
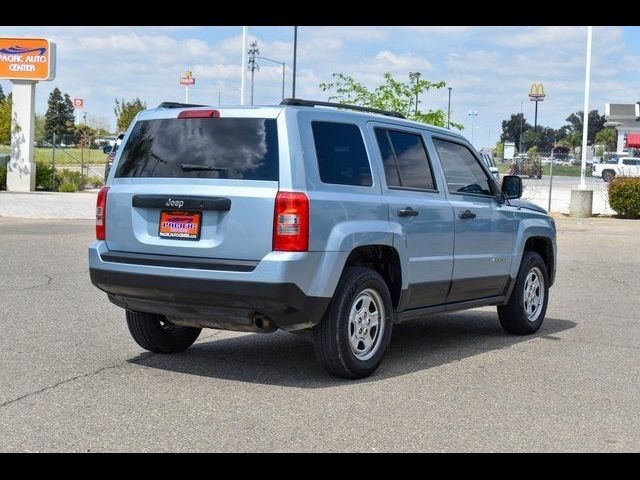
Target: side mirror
pixel 511 186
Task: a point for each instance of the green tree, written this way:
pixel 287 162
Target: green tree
pixel 608 137
pixel 511 128
pixel 392 95
pixel 126 112
pixel 5 121
pixel 572 140
pixel 2 95
pixel 39 135
pixel 596 123
pixel 59 117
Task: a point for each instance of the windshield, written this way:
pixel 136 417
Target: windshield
pixel 233 148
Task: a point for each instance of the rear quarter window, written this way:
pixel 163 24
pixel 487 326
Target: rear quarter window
pixel 342 157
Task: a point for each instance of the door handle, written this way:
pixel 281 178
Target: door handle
pixel 408 212
pixel 467 214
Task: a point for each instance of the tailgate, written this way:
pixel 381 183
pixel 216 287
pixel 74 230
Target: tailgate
pixel 195 187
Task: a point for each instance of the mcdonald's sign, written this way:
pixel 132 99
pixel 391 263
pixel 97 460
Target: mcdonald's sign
pixel 536 93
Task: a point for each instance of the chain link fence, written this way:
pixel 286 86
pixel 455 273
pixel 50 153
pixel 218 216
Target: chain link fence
pixel 548 180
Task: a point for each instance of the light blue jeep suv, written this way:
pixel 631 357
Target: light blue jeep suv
pixel 308 216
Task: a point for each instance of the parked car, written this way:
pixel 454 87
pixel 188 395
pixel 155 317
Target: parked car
pixel 490 164
pixel 526 166
pixel 112 154
pixel 623 166
pixel 310 219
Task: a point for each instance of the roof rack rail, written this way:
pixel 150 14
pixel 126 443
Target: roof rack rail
pixel 313 103
pixel 178 105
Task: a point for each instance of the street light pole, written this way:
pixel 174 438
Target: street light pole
pixel 449 110
pixel 585 111
pixel 284 66
pixel 253 66
pixel 472 114
pixel 295 58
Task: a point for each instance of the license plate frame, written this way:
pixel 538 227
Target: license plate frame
pixel 169 225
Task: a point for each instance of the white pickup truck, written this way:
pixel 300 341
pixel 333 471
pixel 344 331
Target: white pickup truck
pixel 621 167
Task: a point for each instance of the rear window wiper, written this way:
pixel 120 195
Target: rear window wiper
pixel 193 166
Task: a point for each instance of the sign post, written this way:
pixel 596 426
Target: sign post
pixel 78 104
pixel 24 61
pixel 187 80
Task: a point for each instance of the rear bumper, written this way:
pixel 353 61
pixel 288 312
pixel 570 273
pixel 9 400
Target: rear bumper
pixel 212 303
pixel 292 290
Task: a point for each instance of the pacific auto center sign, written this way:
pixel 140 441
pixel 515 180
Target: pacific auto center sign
pixel 27 59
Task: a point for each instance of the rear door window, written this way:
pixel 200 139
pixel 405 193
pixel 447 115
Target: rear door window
pixel 230 148
pixel 405 160
pixel 342 157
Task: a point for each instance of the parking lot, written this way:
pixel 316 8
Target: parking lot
pixel 72 379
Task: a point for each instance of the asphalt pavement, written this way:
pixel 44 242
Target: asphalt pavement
pixel 72 379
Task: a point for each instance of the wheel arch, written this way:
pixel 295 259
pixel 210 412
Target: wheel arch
pixel 383 259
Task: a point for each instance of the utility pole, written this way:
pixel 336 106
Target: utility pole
pixel 253 65
pixel 449 110
pixel 295 56
pixel 244 63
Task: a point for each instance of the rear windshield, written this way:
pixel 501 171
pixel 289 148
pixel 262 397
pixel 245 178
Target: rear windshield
pixel 234 148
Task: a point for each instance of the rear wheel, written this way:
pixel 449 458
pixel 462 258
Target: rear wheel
pixel 354 333
pixel 608 175
pixel 154 333
pixel 524 313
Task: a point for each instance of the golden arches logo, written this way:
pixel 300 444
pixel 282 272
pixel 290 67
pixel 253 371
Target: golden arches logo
pixel 188 74
pixel 537 91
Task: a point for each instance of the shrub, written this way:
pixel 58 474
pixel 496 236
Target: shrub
pixel 624 196
pixel 44 174
pixel 96 182
pixel 68 187
pixel 3 177
pixel 75 178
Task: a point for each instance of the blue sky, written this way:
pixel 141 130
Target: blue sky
pixel 490 69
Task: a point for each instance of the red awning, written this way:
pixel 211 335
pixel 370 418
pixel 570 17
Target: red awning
pixel 633 140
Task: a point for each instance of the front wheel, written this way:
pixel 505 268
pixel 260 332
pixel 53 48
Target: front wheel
pixel 608 175
pixel 354 333
pixel 524 313
pixel 154 333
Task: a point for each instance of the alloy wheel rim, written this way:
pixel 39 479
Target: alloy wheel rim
pixel 533 294
pixel 366 324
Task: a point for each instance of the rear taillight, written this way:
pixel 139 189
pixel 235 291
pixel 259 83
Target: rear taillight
pixel 101 213
pixel 291 222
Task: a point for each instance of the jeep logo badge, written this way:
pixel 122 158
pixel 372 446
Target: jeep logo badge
pixel 175 203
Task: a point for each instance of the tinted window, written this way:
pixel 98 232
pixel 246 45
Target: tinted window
pixel 405 159
pixel 631 162
pixel 342 158
pixel 462 170
pixel 235 148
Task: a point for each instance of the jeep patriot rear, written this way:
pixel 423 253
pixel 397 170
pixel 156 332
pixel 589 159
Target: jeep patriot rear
pixel 301 217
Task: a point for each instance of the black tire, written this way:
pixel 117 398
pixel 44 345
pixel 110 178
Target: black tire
pixel 608 175
pixel 154 333
pixel 332 335
pixel 513 316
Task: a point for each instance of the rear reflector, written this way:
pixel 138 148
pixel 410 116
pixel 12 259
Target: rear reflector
pixel 291 222
pixel 101 213
pixel 199 114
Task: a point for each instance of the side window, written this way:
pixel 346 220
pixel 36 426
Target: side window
pixel 342 158
pixel 405 159
pixel 462 170
pixel 631 162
